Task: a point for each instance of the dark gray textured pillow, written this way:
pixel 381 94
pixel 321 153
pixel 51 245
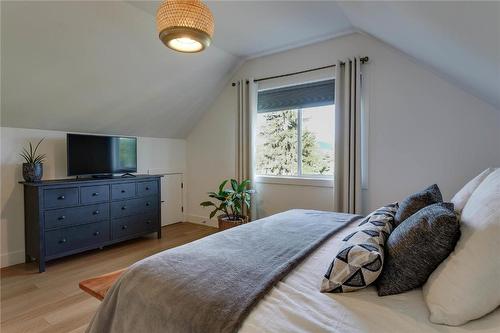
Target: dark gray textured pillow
pixel 416 202
pixel 416 247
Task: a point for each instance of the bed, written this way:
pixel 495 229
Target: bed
pixel 295 304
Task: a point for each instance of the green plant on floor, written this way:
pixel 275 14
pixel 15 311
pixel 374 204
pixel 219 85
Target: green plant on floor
pixel 230 201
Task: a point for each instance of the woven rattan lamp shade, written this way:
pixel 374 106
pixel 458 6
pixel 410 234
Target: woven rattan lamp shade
pixel 185 25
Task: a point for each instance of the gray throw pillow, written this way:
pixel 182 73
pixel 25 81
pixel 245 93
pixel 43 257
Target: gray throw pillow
pixel 416 247
pixel 416 202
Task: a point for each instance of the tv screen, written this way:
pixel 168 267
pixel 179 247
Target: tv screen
pixel 96 154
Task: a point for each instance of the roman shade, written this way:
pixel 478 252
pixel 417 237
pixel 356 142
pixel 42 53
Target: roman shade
pixel 297 97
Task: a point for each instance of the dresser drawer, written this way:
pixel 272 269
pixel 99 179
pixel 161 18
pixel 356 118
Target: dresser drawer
pixel 60 197
pixel 68 239
pixel 146 205
pixel 123 191
pixel 147 188
pixel 132 225
pixel 93 194
pixel 76 215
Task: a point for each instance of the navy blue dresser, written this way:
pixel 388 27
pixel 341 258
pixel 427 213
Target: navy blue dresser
pixel 67 216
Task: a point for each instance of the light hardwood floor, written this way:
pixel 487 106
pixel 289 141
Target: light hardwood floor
pixel 52 302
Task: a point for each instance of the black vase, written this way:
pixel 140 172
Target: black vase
pixel 32 172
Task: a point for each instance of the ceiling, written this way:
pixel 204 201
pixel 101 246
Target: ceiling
pixel 114 76
pixel 459 39
pixel 251 28
pixel 99 67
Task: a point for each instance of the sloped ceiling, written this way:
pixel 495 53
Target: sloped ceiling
pixel 460 39
pixel 99 66
pixel 251 28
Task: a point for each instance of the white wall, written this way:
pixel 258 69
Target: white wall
pixel 275 198
pixel 422 129
pixel 153 153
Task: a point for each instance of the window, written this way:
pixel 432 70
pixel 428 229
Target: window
pixel 295 131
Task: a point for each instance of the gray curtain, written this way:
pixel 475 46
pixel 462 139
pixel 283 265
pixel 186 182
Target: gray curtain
pixel 347 173
pixel 245 136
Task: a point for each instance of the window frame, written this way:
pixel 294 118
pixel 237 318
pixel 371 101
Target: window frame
pixel 294 180
pixel 301 179
pixel 308 180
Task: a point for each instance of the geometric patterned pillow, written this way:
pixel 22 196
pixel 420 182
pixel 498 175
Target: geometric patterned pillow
pixel 361 257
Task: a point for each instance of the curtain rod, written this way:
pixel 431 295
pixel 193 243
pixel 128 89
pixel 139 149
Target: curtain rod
pixel 363 60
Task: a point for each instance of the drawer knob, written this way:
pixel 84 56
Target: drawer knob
pixel 147 188
pixel 62 241
pixel 123 191
pixel 97 233
pixel 62 197
pixel 96 212
pixel 124 207
pixel 148 203
pixel 124 227
pixel 95 194
pixel 148 222
pixel 62 217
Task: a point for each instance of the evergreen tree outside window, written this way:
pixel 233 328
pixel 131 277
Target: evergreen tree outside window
pixel 295 131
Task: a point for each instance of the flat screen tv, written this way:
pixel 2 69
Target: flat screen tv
pixel 100 155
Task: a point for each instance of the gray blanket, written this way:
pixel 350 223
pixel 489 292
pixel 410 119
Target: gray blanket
pixel 211 285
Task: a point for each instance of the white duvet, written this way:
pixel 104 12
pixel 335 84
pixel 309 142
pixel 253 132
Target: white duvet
pixel 296 305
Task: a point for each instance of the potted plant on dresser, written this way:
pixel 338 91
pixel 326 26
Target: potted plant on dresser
pixel 232 202
pixel 33 166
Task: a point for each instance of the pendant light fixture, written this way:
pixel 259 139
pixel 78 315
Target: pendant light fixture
pixel 185 25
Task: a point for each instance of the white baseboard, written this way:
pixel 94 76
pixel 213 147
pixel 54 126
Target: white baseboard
pixel 202 220
pixel 11 258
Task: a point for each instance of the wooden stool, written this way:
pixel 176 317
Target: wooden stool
pixel 99 286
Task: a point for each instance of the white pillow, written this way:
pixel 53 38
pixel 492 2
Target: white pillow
pixel 462 196
pixel 466 285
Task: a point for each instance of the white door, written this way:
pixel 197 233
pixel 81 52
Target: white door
pixel 171 197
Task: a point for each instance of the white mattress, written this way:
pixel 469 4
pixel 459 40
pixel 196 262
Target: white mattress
pixel 296 305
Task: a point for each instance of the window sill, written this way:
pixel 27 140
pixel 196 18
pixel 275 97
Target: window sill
pixel 295 181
